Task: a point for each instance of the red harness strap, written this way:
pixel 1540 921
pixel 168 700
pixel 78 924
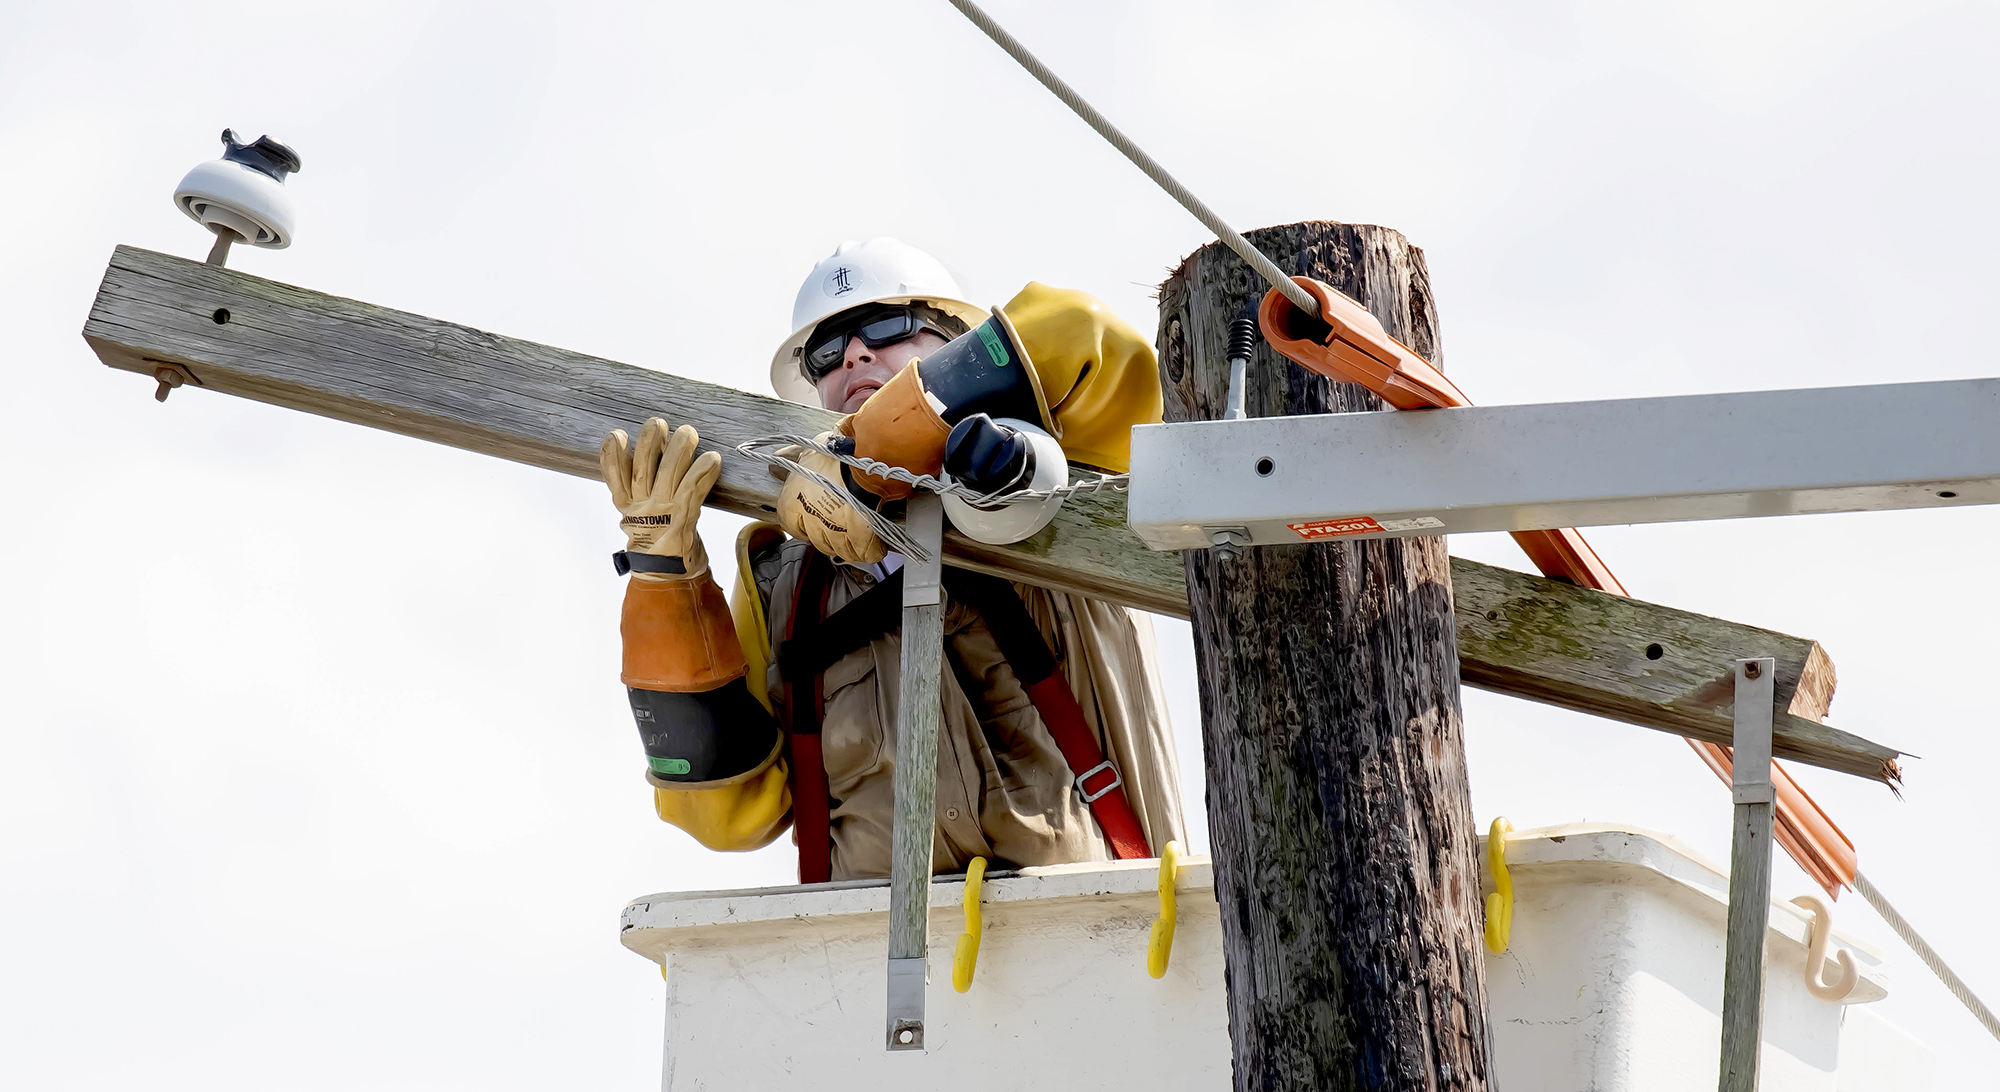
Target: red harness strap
pixel 807 764
pixel 1098 782
pixel 1073 736
pixel 812 641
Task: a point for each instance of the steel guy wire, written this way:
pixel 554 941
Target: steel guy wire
pixel 1928 954
pixel 1264 266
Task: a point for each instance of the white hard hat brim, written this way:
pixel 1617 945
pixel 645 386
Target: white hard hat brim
pixel 790 381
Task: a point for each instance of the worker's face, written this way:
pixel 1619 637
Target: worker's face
pixel 863 370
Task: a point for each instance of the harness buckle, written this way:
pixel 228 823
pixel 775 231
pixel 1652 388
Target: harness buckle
pixel 1089 797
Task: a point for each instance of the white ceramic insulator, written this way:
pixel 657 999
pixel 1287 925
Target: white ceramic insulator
pixel 224 194
pixel 1007 523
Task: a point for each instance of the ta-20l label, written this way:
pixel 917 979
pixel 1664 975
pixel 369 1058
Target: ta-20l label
pixel 1319 529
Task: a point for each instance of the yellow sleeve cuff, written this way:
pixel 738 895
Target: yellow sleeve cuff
pixel 735 818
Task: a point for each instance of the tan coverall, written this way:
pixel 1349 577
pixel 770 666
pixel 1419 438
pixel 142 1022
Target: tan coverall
pixel 1004 789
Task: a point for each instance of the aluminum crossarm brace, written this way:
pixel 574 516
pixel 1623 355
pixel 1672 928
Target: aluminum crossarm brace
pixel 1281 480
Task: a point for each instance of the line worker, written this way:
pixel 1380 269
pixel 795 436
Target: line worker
pixel 778 708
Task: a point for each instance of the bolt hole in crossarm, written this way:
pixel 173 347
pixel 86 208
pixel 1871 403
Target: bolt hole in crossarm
pixel 1654 652
pixel 1265 466
pixel 1946 494
pixel 221 316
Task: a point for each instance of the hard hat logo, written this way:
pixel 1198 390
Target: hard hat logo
pixel 856 274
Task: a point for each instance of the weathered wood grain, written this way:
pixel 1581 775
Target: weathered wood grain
pixel 1643 664
pixel 1743 965
pixel 1749 882
pixel 548 407
pixel 913 831
pixel 1345 853
pixel 522 401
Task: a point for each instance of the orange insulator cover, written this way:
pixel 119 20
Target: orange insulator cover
pixel 1348 344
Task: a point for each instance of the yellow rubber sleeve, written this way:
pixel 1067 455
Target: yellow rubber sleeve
pixel 1097 371
pixel 746 609
pixel 733 819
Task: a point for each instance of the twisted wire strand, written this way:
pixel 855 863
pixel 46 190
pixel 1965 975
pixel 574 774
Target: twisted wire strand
pixel 1265 267
pixel 1114 483
pixel 1928 954
pixel 888 530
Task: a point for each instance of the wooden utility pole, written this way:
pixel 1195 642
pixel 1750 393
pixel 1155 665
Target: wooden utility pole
pixel 1338 806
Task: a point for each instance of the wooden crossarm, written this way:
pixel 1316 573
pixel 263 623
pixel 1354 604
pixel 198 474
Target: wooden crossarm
pixel 392 370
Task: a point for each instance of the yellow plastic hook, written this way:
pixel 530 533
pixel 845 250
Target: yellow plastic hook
pixel 1500 904
pixel 966 956
pixel 1160 946
pixel 1819 935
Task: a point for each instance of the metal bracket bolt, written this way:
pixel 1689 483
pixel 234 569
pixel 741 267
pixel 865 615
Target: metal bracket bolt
pixel 1228 542
pixel 170 375
pixel 1242 341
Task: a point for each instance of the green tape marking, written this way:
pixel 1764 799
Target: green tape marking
pixel 995 345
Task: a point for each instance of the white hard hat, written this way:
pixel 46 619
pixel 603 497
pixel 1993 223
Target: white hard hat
pixel 880 270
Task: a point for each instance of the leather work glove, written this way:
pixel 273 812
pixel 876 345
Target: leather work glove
pixel 828 520
pixel 658 493
pixel 899 425
pixel 684 670
pixel 985 456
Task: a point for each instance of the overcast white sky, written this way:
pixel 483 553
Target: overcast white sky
pixel 315 770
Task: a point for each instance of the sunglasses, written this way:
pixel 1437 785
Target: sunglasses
pixel 827 346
